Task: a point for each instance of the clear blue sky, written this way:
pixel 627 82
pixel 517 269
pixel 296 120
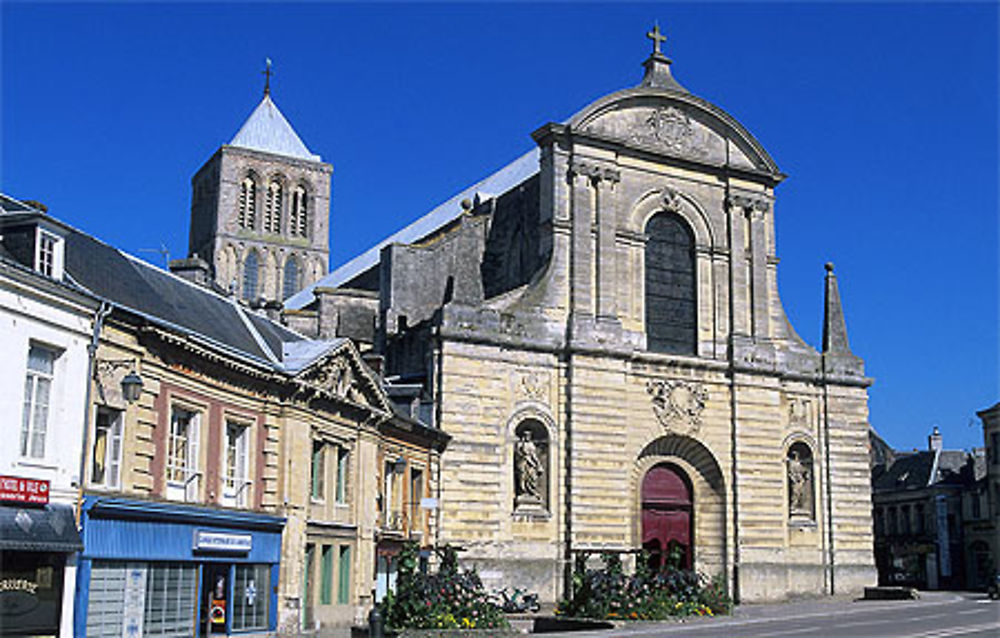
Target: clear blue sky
pixel 885 118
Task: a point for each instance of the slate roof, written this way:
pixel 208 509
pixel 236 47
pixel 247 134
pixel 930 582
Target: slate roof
pixel 165 299
pixel 498 183
pixel 917 470
pixel 267 130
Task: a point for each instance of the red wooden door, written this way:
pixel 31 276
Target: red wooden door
pixel 666 515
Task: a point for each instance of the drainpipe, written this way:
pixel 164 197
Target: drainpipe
pixel 99 318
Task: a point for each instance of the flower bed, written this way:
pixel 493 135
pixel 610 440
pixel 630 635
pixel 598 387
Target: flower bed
pixel 609 593
pixel 449 599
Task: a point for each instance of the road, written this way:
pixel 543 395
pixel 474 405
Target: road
pixel 935 615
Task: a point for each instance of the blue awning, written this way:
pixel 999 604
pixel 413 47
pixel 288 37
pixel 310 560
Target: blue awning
pixel 51 528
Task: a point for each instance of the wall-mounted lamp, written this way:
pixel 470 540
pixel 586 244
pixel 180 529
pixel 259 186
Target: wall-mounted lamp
pixel 132 387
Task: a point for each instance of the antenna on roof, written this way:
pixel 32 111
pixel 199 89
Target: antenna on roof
pixel 161 251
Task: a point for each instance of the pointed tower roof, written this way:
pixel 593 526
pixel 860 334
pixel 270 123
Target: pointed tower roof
pixel 267 130
pixel 834 326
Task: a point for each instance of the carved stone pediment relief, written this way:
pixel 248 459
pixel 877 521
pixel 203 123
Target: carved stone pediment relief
pixel 338 377
pixel 671 129
pixel 678 404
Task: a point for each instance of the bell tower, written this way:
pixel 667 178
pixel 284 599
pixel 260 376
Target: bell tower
pixel 260 210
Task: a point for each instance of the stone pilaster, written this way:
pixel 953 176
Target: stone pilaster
pixel 607 261
pixel 581 260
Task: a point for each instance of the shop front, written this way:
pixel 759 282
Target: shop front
pixel 37 540
pixel 153 568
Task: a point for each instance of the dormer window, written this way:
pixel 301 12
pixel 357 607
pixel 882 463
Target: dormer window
pixel 49 254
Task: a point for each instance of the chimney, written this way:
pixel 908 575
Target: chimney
pixel 934 441
pixel 194 269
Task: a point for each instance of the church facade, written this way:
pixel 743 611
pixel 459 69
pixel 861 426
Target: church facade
pixel 598 327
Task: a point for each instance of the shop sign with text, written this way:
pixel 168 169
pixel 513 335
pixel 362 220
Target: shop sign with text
pixel 208 541
pixel 14 489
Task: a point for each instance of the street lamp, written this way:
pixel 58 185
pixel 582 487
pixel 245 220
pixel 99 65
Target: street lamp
pixel 132 387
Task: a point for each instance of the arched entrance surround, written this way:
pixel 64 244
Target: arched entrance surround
pixel 695 463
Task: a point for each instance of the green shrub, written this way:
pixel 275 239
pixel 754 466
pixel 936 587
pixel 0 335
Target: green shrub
pixel 645 595
pixel 449 599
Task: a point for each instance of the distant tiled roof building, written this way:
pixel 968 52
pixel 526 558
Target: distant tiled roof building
pixel 923 503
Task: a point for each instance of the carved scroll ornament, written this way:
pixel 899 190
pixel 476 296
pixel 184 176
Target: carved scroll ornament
pixel 678 404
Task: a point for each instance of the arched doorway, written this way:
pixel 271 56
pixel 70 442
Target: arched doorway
pixel 667 518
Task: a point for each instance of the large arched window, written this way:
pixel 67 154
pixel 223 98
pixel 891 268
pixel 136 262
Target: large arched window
pixel 290 280
pixel 247 214
pixel 298 222
pixel 272 208
pixel 531 466
pixel 251 272
pixel 671 318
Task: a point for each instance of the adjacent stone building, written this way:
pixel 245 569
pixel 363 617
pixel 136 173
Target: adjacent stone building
pixel 599 328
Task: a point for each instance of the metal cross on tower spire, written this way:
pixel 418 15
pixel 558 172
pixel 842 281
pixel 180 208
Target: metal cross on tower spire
pixel 657 38
pixel 267 73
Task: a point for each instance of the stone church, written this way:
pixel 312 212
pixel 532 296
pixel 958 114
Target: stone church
pixel 598 327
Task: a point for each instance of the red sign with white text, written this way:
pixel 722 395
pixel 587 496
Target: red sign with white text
pixel 22 490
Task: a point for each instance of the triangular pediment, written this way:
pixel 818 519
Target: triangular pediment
pixel 341 374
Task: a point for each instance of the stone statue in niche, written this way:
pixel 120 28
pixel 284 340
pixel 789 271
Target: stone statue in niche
pixel 528 471
pixel 799 484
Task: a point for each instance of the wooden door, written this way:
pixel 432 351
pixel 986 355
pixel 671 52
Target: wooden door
pixel 667 527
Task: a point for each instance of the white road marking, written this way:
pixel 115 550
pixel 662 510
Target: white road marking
pixel 958 631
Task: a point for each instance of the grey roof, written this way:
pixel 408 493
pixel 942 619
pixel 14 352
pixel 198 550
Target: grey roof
pixel 167 299
pixel 267 130
pixel 916 470
pixel 496 184
pixel 159 297
pixel 10 205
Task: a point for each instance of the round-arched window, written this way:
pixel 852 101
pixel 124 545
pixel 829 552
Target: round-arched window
pixel 671 317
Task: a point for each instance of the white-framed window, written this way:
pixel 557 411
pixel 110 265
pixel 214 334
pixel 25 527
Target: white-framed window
pixel 343 456
pixel 317 471
pixel 416 493
pixel 182 455
pixel 47 253
pixel 237 485
pixel 106 455
pixel 37 397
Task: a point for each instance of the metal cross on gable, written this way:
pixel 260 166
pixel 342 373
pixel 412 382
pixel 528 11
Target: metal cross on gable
pixel 267 73
pixel 657 38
